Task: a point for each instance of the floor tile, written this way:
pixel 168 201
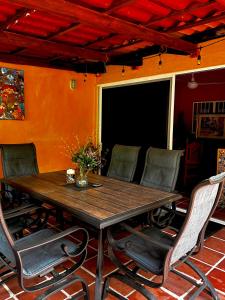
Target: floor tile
pixel 121 287
pixel 221 265
pixel 187 270
pixel 4 294
pixel 91 265
pixel 208 256
pixel 32 296
pixel 220 234
pixel 158 293
pixel 202 296
pixel 73 288
pixel 217 278
pixel 176 284
pixel 215 244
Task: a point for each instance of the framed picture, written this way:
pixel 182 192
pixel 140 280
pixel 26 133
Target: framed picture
pixel 11 94
pixel 220 161
pixel 206 107
pixel 211 126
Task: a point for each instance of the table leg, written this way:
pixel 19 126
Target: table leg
pixel 99 267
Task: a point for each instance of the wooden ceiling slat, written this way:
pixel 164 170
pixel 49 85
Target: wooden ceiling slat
pixel 64 30
pixel 113 24
pixel 118 4
pixel 197 23
pixel 188 10
pixel 28 42
pixel 20 13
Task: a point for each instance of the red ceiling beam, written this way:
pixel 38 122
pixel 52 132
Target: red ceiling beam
pixel 28 42
pixel 197 23
pixel 102 20
pixel 22 60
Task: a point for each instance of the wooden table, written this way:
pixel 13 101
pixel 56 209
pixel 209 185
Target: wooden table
pixel 101 207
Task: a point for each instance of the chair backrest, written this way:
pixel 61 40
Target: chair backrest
pixel 161 168
pixel 19 159
pixel 204 199
pixel 123 162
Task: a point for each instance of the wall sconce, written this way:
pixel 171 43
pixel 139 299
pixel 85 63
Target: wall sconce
pixel 73 84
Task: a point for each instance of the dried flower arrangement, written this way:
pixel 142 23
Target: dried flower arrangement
pixel 87 157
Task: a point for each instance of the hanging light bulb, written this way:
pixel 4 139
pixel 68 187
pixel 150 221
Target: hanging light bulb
pixel 123 71
pixel 199 58
pixel 85 74
pixel 160 60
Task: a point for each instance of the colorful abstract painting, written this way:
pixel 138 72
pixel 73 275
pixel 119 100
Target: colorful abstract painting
pixel 11 94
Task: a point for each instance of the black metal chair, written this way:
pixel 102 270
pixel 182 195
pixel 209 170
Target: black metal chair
pixel 161 171
pixel 123 162
pixel 152 250
pixel 38 254
pixel 20 160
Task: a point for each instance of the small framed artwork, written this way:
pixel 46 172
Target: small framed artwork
pixel 211 126
pixel 220 161
pixel 11 94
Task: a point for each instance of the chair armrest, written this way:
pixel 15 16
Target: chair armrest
pixel 19 211
pixel 144 236
pixel 54 238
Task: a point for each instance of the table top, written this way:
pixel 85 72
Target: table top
pixel 112 202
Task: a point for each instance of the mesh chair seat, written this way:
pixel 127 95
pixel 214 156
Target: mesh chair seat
pixel 37 260
pixel 147 254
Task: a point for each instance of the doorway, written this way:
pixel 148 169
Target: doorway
pixel 136 115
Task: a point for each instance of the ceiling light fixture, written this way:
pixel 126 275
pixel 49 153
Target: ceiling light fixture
pixel 192 84
pixel 123 71
pixel 160 60
pixel 199 58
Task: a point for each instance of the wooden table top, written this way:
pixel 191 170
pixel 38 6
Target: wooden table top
pixel 102 206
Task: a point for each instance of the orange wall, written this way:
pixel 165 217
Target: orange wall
pixel 52 112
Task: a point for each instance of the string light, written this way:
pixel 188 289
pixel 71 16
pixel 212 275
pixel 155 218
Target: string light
pixel 123 71
pixel 85 74
pixel 160 60
pixel 199 58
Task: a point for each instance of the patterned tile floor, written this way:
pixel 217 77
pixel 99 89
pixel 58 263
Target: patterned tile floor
pixel 211 260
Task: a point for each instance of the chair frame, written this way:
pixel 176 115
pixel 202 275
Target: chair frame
pixel 136 281
pixel 58 281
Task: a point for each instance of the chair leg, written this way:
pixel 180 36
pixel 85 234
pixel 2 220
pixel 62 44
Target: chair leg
pixel 57 287
pixel 128 281
pixel 205 285
pixel 205 280
pixel 131 273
